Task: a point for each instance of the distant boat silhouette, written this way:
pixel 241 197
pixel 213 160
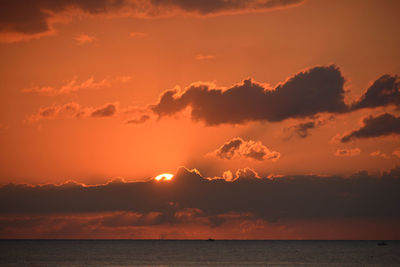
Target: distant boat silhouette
pixel 210 239
pixel 381 244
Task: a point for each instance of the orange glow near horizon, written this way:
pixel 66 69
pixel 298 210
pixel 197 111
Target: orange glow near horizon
pixel 164 177
pixel 248 102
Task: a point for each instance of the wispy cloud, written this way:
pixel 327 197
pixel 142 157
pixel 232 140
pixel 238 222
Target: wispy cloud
pixel 379 154
pixel 348 152
pixel 302 129
pixel 137 34
pixel 204 57
pixel 82 39
pixel 396 152
pixel 75 86
pixel 141 119
pixel 74 110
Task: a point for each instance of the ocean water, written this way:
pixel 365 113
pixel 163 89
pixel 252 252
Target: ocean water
pixel 197 253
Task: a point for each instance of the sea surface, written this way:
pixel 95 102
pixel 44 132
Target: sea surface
pixel 197 253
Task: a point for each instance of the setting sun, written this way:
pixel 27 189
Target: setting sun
pixel 164 177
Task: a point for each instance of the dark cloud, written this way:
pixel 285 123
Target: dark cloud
pixel 142 119
pixel 35 17
pixel 383 92
pixel 347 152
pixel 302 129
pixel 237 148
pixel 381 125
pixel 217 6
pixel 30 17
pixel 69 110
pixel 47 112
pixel 106 111
pixel 288 197
pixel 227 150
pixel 74 110
pixel 306 94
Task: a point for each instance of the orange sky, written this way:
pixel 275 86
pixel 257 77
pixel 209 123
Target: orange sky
pixel 78 82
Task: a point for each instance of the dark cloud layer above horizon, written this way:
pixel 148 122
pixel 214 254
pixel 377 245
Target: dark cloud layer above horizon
pixel 375 126
pixel 360 196
pixel 33 17
pixel 317 90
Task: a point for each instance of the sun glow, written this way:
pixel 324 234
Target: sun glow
pixel 164 177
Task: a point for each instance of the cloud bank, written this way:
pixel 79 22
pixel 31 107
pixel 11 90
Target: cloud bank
pixel 360 196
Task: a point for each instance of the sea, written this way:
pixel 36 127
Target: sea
pixel 198 253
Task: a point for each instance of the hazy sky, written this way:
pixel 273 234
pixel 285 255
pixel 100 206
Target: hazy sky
pixel 98 90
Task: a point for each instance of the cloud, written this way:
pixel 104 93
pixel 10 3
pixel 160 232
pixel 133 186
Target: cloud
pixel 237 148
pixel 137 34
pixel 69 110
pixel 347 152
pixel 381 125
pixel 82 39
pixel 227 176
pixel 69 87
pixel 247 174
pixel 204 57
pixel 302 129
pixel 25 19
pixel 123 79
pixel 140 120
pixel 251 101
pixel 287 197
pixel 383 92
pixel 396 152
pixel 73 86
pixel 107 110
pixel 224 6
pixel 73 110
pixel 379 154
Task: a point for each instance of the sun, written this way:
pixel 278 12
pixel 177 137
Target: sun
pixel 164 177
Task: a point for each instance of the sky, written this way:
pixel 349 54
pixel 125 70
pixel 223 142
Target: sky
pixel 278 118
